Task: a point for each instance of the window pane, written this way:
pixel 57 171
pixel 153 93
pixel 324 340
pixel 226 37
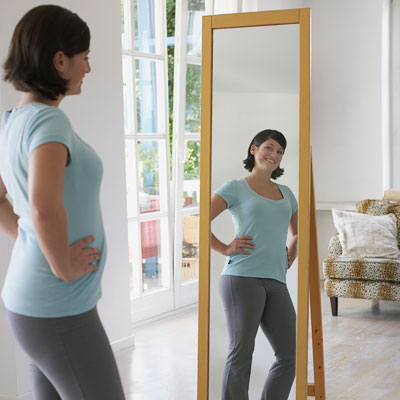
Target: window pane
pixel 127 77
pixel 146 96
pixel 154 265
pixel 191 180
pixel 193 92
pixel 149 177
pixel 195 14
pixel 130 165
pixel 144 26
pixel 190 247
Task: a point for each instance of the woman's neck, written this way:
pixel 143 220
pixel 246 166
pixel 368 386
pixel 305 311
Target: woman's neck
pixel 28 97
pixel 260 176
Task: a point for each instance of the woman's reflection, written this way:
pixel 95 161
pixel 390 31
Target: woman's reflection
pixel 253 282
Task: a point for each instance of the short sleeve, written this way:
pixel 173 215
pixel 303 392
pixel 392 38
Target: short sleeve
pixel 49 124
pixel 293 201
pixel 228 192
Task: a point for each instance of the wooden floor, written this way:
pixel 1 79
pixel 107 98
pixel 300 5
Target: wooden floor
pixel 362 350
pixel 362 355
pixel 163 363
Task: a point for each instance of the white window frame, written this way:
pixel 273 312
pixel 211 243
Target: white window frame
pixel 149 305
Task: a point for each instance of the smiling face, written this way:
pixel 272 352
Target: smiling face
pixel 73 69
pixel 78 68
pixel 268 155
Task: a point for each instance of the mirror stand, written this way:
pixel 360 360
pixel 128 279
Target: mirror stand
pixel 316 389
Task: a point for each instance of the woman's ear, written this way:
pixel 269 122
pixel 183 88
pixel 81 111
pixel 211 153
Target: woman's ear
pixel 59 61
pixel 253 149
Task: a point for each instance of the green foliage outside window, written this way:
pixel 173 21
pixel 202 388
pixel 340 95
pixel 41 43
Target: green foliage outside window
pixel 170 50
pixel 193 92
pixel 148 168
pixel 192 164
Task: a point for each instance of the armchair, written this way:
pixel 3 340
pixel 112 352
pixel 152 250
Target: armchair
pixel 363 278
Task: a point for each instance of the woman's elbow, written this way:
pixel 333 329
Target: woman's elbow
pixel 43 213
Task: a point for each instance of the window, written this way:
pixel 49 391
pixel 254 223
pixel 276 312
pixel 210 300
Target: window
pixel 161 42
pixel 146 152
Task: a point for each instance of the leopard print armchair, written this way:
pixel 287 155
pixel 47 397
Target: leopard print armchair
pixel 363 278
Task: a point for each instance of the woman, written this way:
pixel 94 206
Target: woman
pixel 53 177
pixel 253 281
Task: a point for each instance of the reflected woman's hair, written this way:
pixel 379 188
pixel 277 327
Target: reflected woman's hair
pixel 258 140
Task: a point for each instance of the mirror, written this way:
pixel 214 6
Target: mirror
pixel 251 81
pixel 255 87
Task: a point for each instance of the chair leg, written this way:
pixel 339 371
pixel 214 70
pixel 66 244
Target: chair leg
pixel 375 306
pixel 334 306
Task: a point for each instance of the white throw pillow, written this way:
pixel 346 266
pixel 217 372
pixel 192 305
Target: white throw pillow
pixel 363 235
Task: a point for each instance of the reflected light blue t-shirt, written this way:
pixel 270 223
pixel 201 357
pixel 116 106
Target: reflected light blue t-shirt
pixel 30 287
pixel 267 221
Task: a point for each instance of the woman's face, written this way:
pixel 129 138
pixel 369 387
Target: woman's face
pixel 268 155
pixel 75 69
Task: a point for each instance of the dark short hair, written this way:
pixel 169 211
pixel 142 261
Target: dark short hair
pixel 258 140
pixel 38 36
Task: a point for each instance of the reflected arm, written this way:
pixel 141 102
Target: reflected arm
pixel 238 245
pixel 292 248
pixel 8 219
pixel 218 205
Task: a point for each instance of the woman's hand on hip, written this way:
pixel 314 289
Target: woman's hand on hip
pixel 81 258
pixel 288 257
pixel 239 245
pixel 291 255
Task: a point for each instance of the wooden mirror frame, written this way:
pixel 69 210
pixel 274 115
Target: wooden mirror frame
pixel 254 19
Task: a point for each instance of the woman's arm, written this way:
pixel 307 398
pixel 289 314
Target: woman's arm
pixel 292 248
pixel 46 169
pixel 218 205
pixel 8 220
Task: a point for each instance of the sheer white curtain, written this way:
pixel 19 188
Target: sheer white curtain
pixel 226 6
pixel 229 6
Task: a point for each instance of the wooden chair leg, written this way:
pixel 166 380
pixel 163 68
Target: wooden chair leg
pixel 334 306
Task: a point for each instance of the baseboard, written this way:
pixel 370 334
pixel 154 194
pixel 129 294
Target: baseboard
pixel 165 315
pixel 26 396
pixel 122 344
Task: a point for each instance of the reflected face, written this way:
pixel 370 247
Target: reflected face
pixel 268 155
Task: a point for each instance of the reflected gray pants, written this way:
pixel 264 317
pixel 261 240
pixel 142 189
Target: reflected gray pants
pixel 70 357
pixel 250 303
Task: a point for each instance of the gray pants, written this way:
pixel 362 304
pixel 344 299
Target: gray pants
pixel 70 357
pixel 250 303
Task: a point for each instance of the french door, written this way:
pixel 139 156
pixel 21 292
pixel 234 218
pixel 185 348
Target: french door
pixel 163 213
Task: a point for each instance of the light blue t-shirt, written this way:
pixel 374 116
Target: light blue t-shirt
pixel 30 286
pixel 267 221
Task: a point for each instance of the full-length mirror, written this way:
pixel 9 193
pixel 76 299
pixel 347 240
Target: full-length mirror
pixel 254 85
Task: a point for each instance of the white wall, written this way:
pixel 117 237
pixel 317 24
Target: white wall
pixel 237 117
pixel 97 116
pixel 347 97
